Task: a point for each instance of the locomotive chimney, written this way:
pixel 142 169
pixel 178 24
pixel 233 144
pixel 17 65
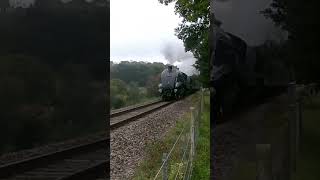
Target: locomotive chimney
pixel 169 67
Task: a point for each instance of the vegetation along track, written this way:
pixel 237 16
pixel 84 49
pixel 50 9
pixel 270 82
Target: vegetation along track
pixel 86 161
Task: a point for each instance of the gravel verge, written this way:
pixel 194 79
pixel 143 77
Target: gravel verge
pixel 128 142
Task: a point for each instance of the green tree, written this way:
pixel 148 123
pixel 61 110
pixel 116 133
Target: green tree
pixel 133 82
pixel 135 71
pixel 193 31
pixel 118 93
pixel 52 57
pixel 152 85
pixel 300 20
pixel 26 88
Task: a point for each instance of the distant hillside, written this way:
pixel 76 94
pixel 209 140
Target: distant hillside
pixel 138 72
pixel 133 82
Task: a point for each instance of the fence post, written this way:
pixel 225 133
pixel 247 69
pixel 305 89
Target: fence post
pixel 293 125
pixel 284 172
pixel 292 92
pixel 198 126
pixel 264 162
pixel 165 167
pixel 300 127
pixel 201 106
pixel 192 130
pixel 182 147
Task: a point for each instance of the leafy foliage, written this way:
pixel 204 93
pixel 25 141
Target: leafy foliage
pixel 193 31
pixel 299 19
pixel 58 32
pixel 52 72
pixel 133 82
pixel 135 71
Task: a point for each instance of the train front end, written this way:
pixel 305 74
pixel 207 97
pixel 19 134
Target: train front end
pixel 228 74
pixel 167 84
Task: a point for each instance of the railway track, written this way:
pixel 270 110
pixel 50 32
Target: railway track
pixel 119 118
pixel 86 161
pixel 124 110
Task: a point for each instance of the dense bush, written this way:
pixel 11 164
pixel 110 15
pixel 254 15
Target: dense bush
pixel 133 82
pixel 52 72
pixel 40 105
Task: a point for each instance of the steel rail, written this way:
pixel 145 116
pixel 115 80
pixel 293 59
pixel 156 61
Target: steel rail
pixel 124 110
pixel 118 121
pixel 54 165
pixel 20 167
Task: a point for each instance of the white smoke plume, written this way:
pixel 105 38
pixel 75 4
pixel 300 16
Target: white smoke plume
pixel 175 54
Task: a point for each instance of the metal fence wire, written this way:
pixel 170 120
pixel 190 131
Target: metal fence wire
pixel 292 138
pixel 188 138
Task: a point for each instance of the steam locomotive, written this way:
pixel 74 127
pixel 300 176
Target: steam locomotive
pixel 238 71
pixel 175 84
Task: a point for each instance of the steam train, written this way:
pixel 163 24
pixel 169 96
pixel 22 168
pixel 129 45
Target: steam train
pixel 175 84
pixel 239 72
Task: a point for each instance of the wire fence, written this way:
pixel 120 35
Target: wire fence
pixel 183 149
pixel 290 144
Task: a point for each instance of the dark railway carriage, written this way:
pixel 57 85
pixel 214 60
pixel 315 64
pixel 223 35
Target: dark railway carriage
pixel 235 76
pixel 193 85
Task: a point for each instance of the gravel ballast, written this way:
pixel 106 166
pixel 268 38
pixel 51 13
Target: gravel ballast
pixel 128 142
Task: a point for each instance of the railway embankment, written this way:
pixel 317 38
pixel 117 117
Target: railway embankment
pixel 269 123
pixel 184 150
pixel 128 142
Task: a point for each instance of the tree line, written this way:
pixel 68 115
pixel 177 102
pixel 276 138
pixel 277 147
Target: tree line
pixel 133 82
pixel 53 72
pixel 299 19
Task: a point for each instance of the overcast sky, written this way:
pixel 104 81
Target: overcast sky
pixel 243 18
pixel 143 30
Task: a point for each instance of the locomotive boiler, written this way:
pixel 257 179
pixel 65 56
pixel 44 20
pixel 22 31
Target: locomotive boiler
pixel 174 84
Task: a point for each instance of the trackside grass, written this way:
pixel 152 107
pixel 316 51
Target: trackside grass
pixel 201 168
pixel 308 162
pixel 308 158
pixel 149 167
